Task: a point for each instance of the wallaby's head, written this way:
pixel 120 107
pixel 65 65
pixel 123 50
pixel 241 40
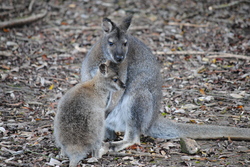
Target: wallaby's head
pixel 115 39
pixel 110 78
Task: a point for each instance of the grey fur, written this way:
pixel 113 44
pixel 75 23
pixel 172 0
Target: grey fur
pixel 135 111
pixel 79 122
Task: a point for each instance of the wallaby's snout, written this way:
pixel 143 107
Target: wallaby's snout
pixel 119 58
pixel 123 86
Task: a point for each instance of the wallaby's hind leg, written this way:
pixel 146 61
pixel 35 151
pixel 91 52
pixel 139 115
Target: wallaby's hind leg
pixel 131 137
pixel 137 118
pixel 75 153
pixel 74 159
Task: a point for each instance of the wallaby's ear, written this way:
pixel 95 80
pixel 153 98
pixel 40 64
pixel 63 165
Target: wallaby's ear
pixel 108 25
pixel 103 69
pixel 126 23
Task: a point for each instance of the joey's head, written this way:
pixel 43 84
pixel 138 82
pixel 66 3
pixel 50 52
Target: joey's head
pixel 110 78
pixel 115 39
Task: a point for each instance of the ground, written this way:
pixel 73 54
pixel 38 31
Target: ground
pixel 204 50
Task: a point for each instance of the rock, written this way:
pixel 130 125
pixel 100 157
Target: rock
pixel 189 146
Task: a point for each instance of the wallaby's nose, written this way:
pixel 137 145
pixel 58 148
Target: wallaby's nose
pixel 123 86
pixel 119 58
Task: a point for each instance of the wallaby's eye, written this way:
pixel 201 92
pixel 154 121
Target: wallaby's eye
pixel 111 43
pixel 125 43
pixel 115 79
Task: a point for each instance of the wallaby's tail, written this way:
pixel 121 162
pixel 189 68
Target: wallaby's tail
pixel 166 129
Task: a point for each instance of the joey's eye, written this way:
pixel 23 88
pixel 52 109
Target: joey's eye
pixel 115 79
pixel 111 43
pixel 125 43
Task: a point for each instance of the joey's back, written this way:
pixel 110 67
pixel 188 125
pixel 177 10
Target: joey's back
pixel 79 122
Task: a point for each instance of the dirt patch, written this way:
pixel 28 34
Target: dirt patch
pixel 210 85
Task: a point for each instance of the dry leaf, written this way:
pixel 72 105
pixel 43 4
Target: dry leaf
pixel 2 129
pixel 202 91
pixel 5 67
pixel 6 30
pixel 64 23
pixel 51 87
pixel 53 162
pixel 72 5
pixel 189 106
pixel 237 96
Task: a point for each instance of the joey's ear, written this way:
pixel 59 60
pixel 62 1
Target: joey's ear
pixel 126 23
pixel 103 69
pixel 108 25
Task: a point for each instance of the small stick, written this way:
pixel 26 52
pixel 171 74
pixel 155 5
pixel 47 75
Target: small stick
pixel 186 24
pixel 184 53
pixel 214 54
pixel 31 5
pixel 227 55
pixel 136 155
pixel 17 22
pixel 5 53
pixel 233 3
pixel 83 28
pixel 16 163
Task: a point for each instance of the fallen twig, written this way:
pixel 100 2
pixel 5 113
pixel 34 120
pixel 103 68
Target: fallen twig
pixel 34 103
pixel 84 28
pixel 31 5
pixel 187 24
pixel 227 55
pixel 5 53
pixel 226 5
pixel 18 22
pixel 184 53
pixel 214 54
pixel 119 154
pixel 3 7
pixel 16 163
pixel 67 27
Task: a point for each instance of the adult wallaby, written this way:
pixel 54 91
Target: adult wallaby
pixel 79 123
pixel 135 111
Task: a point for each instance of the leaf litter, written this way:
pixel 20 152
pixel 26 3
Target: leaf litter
pixel 41 61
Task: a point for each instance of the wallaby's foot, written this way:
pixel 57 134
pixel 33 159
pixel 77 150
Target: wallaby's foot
pixel 104 149
pixel 92 160
pixel 62 155
pixel 119 145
